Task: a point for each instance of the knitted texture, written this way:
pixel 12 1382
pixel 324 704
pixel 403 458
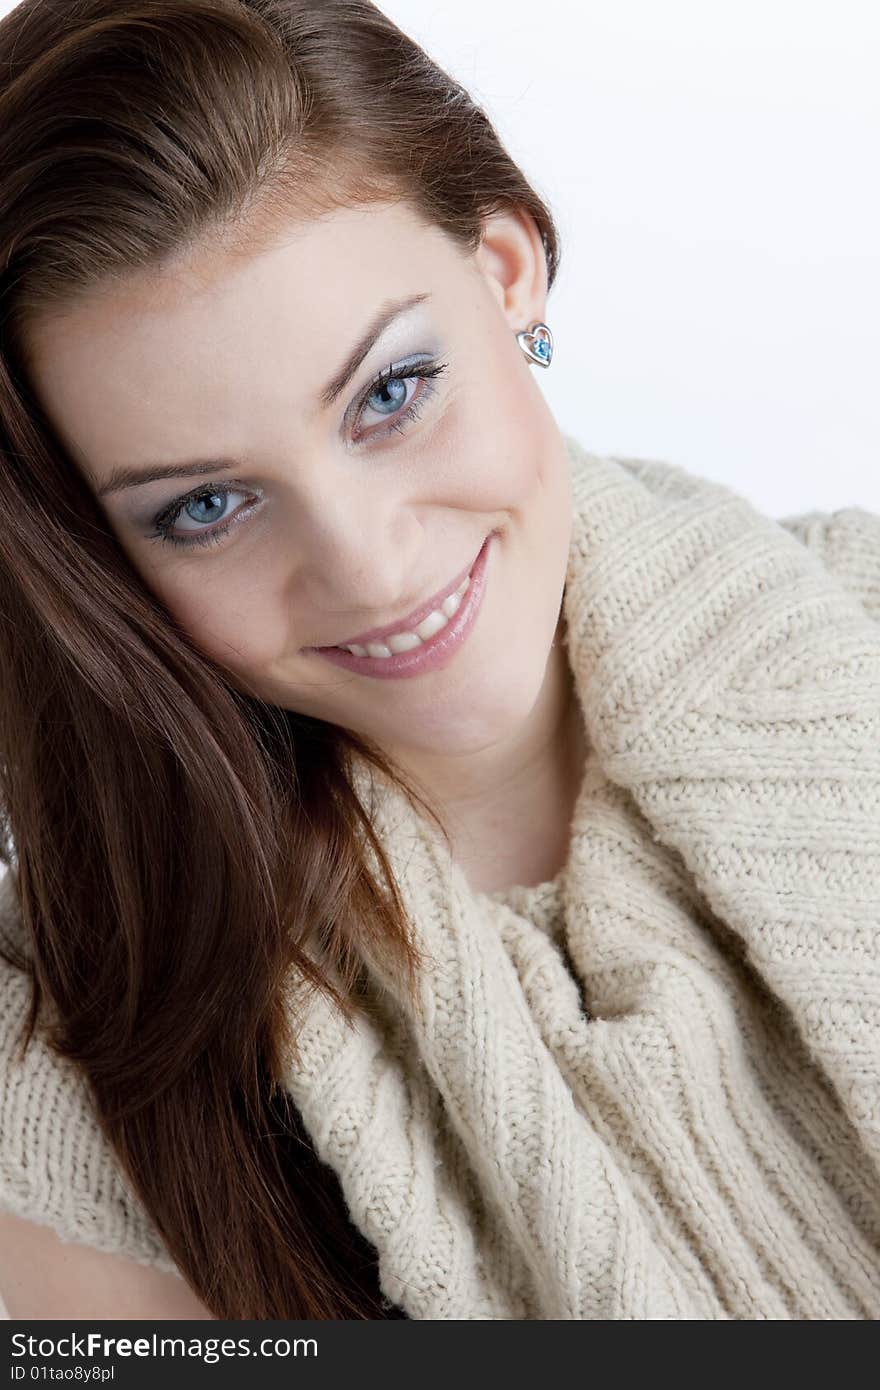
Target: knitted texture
pixel 56 1168
pixel 647 1088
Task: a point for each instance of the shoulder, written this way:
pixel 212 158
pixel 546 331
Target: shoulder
pixel 846 542
pixel 56 1167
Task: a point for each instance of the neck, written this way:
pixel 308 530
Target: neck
pixel 508 807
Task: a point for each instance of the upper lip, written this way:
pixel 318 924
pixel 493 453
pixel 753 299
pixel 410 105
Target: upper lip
pixel 412 620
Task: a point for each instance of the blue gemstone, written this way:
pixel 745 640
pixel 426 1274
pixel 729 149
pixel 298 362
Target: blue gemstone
pixel 542 347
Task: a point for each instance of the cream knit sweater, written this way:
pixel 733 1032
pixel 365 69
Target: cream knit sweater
pixel 651 1087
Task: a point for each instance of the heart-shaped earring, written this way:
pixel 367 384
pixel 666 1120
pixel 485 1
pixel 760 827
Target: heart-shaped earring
pixel 537 344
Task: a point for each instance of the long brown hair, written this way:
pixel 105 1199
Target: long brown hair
pixel 131 131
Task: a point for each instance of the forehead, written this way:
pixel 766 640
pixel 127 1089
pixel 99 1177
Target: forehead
pixel 221 332
pixel 333 261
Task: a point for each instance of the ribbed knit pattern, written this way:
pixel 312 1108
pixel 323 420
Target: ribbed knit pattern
pixel 648 1088
pixel 55 1166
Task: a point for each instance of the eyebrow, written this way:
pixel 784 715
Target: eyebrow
pixel 127 475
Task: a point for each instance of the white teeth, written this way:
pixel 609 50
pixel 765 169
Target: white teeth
pixel 403 641
pixel 451 604
pixel 433 623
pixel 406 641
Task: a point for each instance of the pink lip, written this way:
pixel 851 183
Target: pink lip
pixel 408 623
pixel 433 654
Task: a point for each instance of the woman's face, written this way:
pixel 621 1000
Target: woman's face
pixel 321 519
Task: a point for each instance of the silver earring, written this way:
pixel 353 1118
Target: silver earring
pixel 537 344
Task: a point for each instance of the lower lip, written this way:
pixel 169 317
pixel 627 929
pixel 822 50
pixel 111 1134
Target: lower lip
pixel 432 655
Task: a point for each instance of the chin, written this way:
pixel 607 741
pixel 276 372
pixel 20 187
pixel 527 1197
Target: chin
pixel 491 712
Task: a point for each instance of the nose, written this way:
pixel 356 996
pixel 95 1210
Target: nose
pixel 361 568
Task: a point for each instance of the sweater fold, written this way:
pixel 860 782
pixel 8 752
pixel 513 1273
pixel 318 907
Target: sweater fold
pixel 754 752
pixel 630 1077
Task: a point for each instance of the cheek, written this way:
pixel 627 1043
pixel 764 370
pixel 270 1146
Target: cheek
pixel 530 447
pixel 504 442
pixel 230 621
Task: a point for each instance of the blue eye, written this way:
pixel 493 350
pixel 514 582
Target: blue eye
pixel 215 495
pixel 394 397
pixel 390 390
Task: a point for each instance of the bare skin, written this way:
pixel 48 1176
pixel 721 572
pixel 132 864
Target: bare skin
pixel 44 1278
pixel 341 521
pixel 524 836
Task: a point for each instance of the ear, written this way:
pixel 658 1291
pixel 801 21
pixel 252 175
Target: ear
pixel 511 259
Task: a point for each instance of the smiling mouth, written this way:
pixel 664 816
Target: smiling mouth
pixel 418 627
pixel 407 639
pixel 405 655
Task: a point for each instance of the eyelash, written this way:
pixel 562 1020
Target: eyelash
pixel 422 371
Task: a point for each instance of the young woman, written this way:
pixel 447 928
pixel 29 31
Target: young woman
pixel 443 864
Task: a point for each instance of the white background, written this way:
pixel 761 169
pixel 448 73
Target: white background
pixel 713 168
pixel 715 171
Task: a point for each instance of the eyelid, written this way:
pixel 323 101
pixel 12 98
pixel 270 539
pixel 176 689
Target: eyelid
pixel 392 369
pixel 199 489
